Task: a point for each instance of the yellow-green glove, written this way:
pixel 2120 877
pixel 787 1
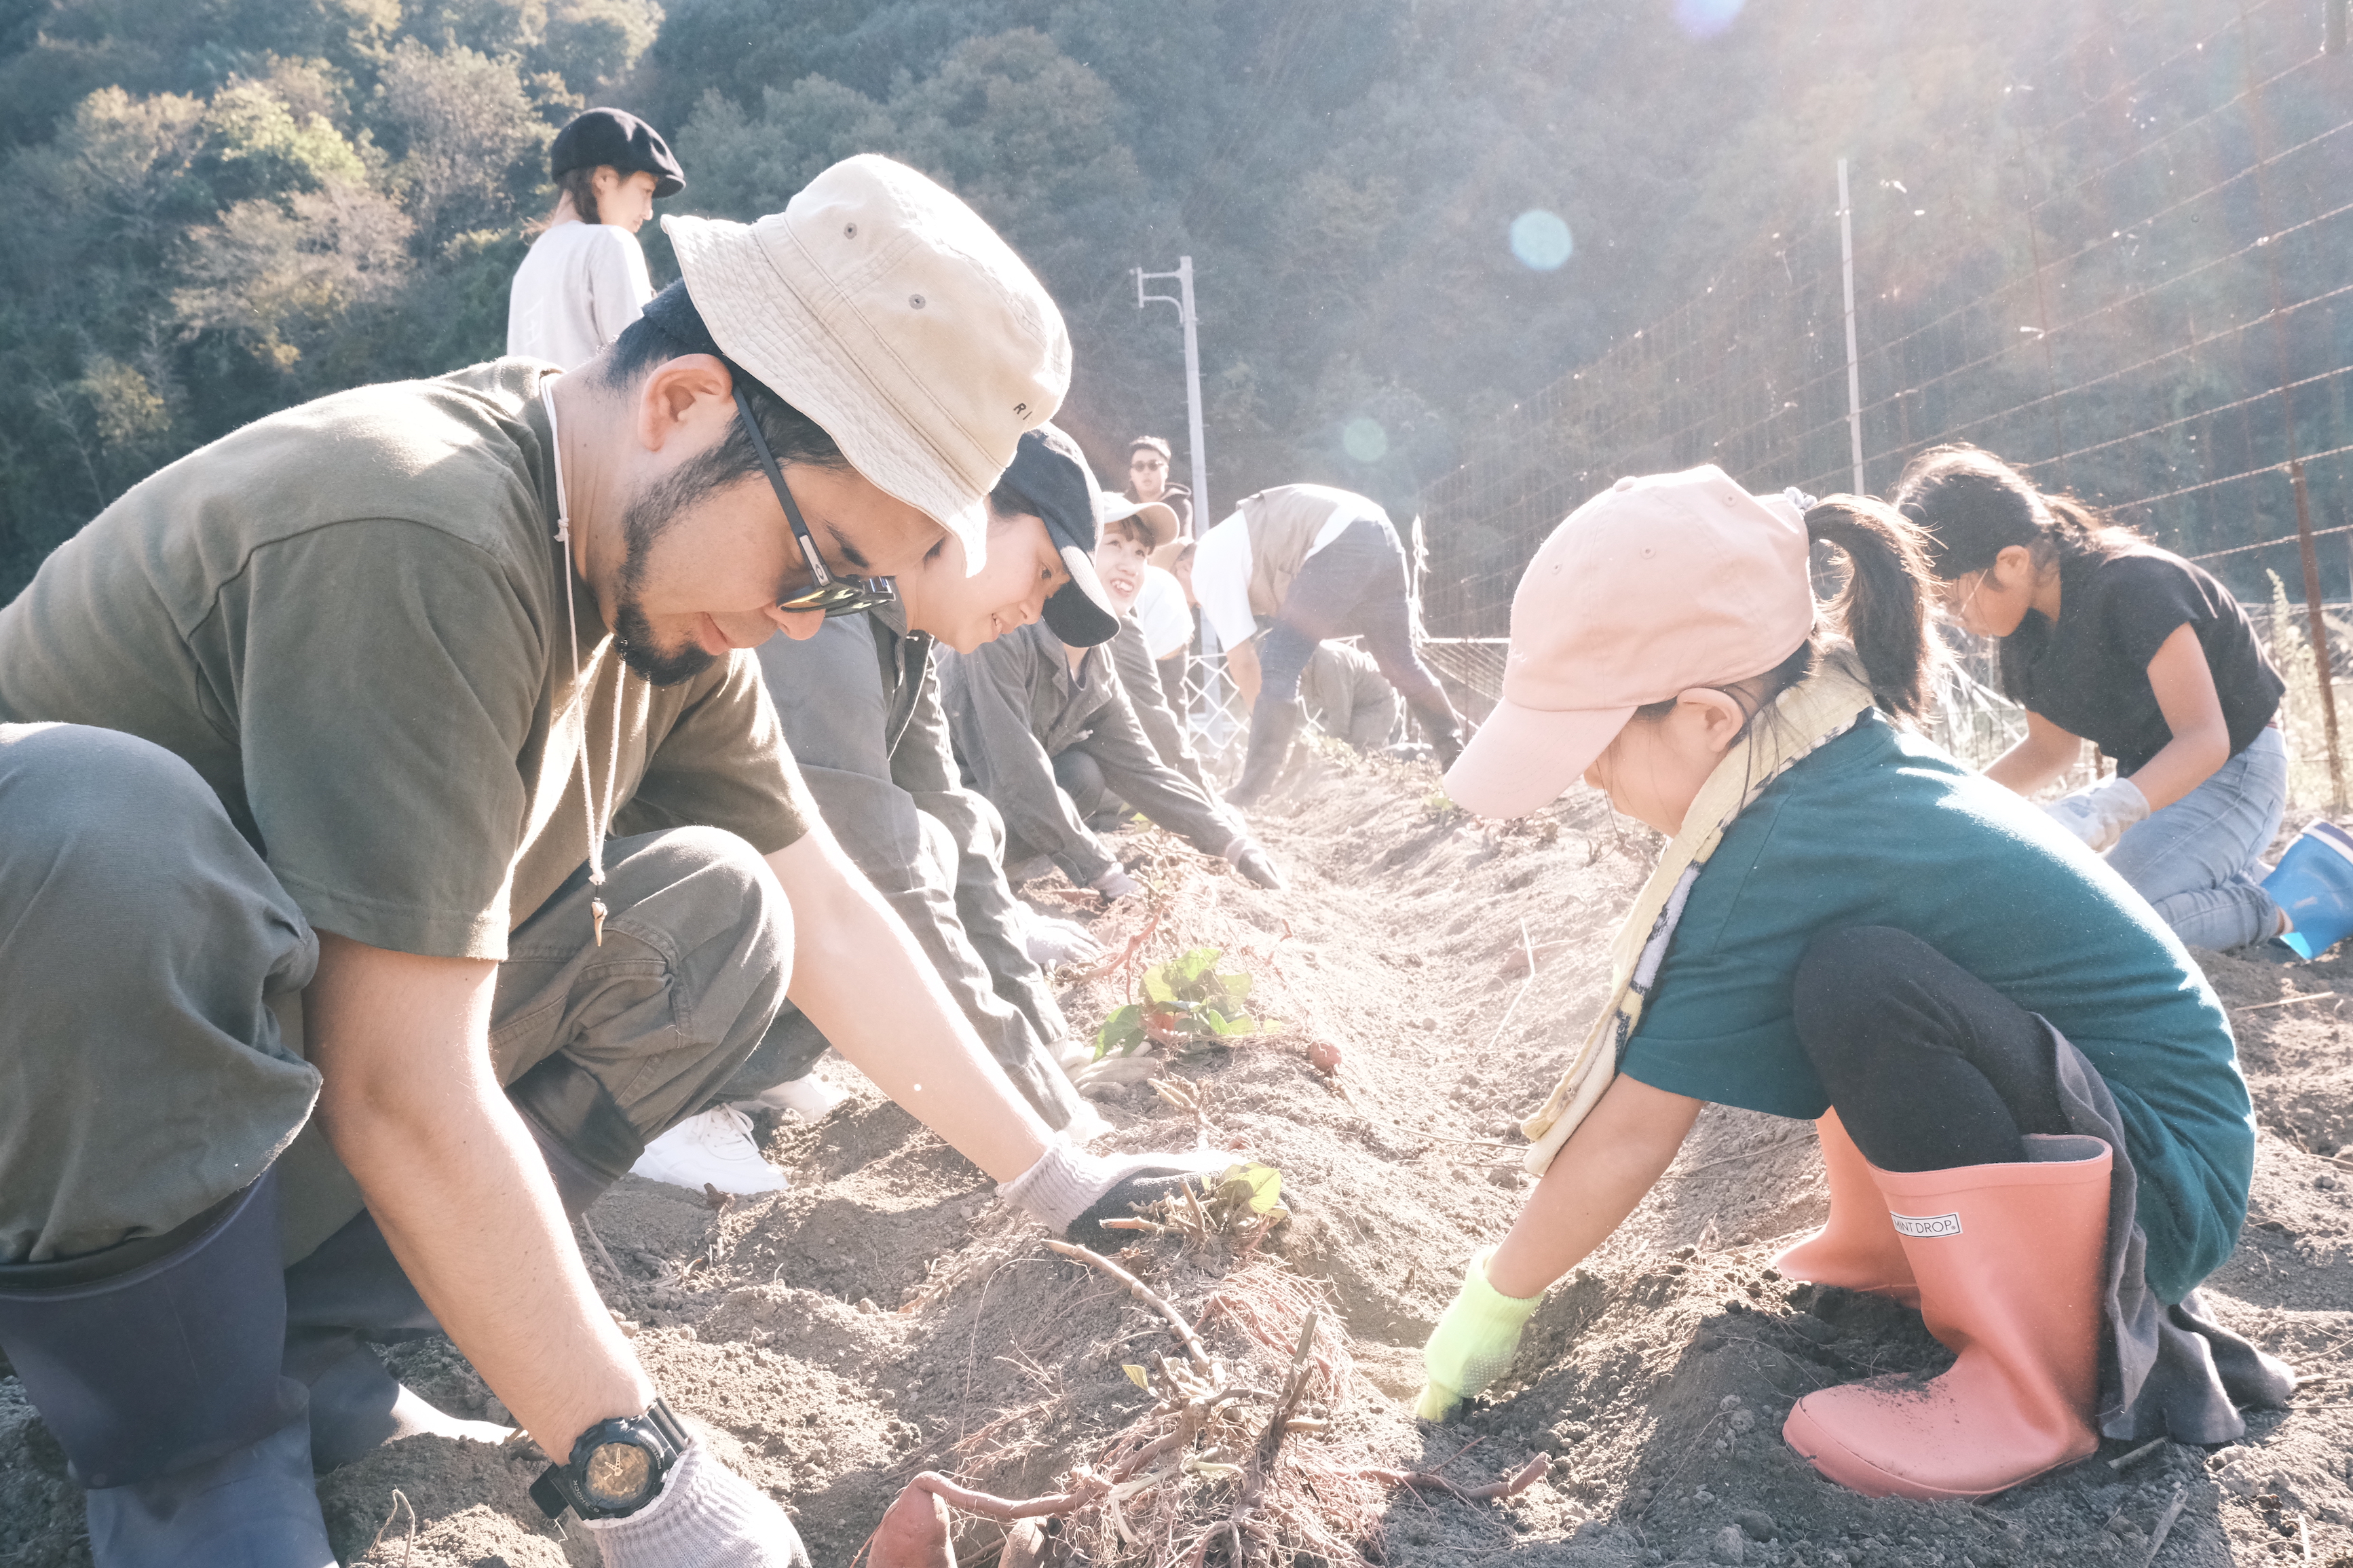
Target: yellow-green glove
pixel 1473 1342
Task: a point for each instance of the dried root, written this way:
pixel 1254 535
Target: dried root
pixel 1244 1456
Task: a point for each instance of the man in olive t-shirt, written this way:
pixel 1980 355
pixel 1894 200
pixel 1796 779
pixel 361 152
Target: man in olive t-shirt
pixel 325 786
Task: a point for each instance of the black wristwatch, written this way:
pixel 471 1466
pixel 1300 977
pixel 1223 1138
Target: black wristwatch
pixel 617 1466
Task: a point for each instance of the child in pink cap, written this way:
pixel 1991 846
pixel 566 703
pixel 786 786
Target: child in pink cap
pixel 2030 1114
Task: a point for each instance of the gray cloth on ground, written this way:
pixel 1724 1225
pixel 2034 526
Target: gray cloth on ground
pixel 1349 698
pixel 1014 704
pixel 1139 676
pixel 2165 1370
pixel 861 706
pixel 163 1075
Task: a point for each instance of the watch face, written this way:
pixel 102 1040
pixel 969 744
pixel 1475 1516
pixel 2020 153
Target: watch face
pixel 617 1473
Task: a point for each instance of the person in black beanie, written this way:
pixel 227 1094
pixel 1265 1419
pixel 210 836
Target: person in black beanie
pixel 584 280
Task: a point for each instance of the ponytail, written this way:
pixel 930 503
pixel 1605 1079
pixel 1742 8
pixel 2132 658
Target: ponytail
pixel 1882 610
pixel 1970 505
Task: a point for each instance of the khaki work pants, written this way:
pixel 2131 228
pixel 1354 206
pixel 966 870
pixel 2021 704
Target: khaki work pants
pixel 151 966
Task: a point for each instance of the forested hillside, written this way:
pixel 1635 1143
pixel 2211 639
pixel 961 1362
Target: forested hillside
pixel 224 206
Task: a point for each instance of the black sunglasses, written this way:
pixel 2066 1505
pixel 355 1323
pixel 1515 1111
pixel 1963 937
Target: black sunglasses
pixel 834 596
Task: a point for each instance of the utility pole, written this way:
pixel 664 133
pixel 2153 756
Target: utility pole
pixel 1853 365
pixel 1183 299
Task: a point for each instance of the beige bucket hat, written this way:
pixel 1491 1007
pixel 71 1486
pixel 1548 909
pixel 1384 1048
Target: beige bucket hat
pixel 883 308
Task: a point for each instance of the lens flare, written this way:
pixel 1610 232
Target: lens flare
pixel 1706 18
pixel 1364 439
pixel 1540 239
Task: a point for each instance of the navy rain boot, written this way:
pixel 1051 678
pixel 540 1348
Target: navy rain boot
pixel 155 1366
pixel 349 1292
pixel 352 1294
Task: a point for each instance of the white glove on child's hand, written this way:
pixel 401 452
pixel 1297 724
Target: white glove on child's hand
pixel 704 1514
pixel 1049 940
pixel 1116 883
pixel 2100 814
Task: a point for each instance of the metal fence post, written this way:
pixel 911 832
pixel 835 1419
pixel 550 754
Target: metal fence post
pixel 1853 363
pixel 2320 631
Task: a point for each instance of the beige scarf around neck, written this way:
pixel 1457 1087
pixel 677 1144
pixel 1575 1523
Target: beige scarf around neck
pixel 1801 720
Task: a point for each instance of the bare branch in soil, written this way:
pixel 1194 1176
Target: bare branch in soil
pixel 1270 1441
pixel 598 1243
pixel 1510 1485
pixel 1528 949
pixel 2165 1522
pixel 1194 1349
pixel 399 1501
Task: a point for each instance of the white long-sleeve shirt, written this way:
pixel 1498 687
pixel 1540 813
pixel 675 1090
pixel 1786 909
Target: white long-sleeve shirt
pixel 582 284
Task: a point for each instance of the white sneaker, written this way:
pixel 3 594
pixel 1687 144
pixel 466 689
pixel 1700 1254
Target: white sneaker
pixel 808 1098
pixel 714 1149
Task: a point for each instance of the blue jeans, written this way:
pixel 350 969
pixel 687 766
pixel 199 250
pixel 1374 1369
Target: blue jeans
pixel 2198 861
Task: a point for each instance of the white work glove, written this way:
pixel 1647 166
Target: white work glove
pixel 2100 814
pixel 705 1516
pixel 1049 940
pixel 1116 884
pixel 1245 856
pixel 1071 1193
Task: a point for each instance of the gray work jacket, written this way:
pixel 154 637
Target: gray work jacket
pixel 1155 713
pixel 1014 706
pixel 860 708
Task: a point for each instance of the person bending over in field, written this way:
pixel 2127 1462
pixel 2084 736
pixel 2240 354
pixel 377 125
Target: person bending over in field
pixel 1321 562
pixel 2030 1107
pixel 2105 636
pixel 1044 729
pixel 1346 698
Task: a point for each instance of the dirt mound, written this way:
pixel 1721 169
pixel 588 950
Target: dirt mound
pixel 886 1315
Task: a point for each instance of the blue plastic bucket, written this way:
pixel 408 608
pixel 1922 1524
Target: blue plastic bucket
pixel 2314 883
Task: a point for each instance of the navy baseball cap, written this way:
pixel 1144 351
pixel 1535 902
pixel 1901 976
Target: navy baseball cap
pixel 1052 476
pixel 600 138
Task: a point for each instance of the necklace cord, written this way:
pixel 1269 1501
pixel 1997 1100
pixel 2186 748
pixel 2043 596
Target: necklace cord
pixel 597 828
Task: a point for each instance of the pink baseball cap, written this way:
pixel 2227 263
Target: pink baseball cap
pixel 1655 586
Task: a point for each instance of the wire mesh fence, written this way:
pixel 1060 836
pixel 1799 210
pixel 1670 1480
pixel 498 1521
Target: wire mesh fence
pixel 2143 300
pixel 1218 721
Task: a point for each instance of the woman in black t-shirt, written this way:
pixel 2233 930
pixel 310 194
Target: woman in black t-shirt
pixel 2108 638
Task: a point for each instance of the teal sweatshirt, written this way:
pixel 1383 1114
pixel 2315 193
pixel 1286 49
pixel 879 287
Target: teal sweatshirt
pixel 1881 828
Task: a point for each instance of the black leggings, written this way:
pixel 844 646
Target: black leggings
pixel 1928 1067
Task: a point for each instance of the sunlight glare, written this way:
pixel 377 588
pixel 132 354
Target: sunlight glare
pixel 1540 239
pixel 1706 18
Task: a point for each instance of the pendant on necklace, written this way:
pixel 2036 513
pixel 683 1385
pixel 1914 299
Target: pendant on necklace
pixel 597 914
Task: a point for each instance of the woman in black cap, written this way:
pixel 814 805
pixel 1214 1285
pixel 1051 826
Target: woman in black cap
pixel 584 280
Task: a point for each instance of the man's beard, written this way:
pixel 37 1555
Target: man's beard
pixel 646 516
pixel 659 667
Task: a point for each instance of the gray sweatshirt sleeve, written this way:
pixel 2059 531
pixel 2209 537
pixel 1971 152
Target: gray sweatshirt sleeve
pixel 989 693
pixel 924 766
pixel 1140 677
pixel 1140 778
pixel 829 695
